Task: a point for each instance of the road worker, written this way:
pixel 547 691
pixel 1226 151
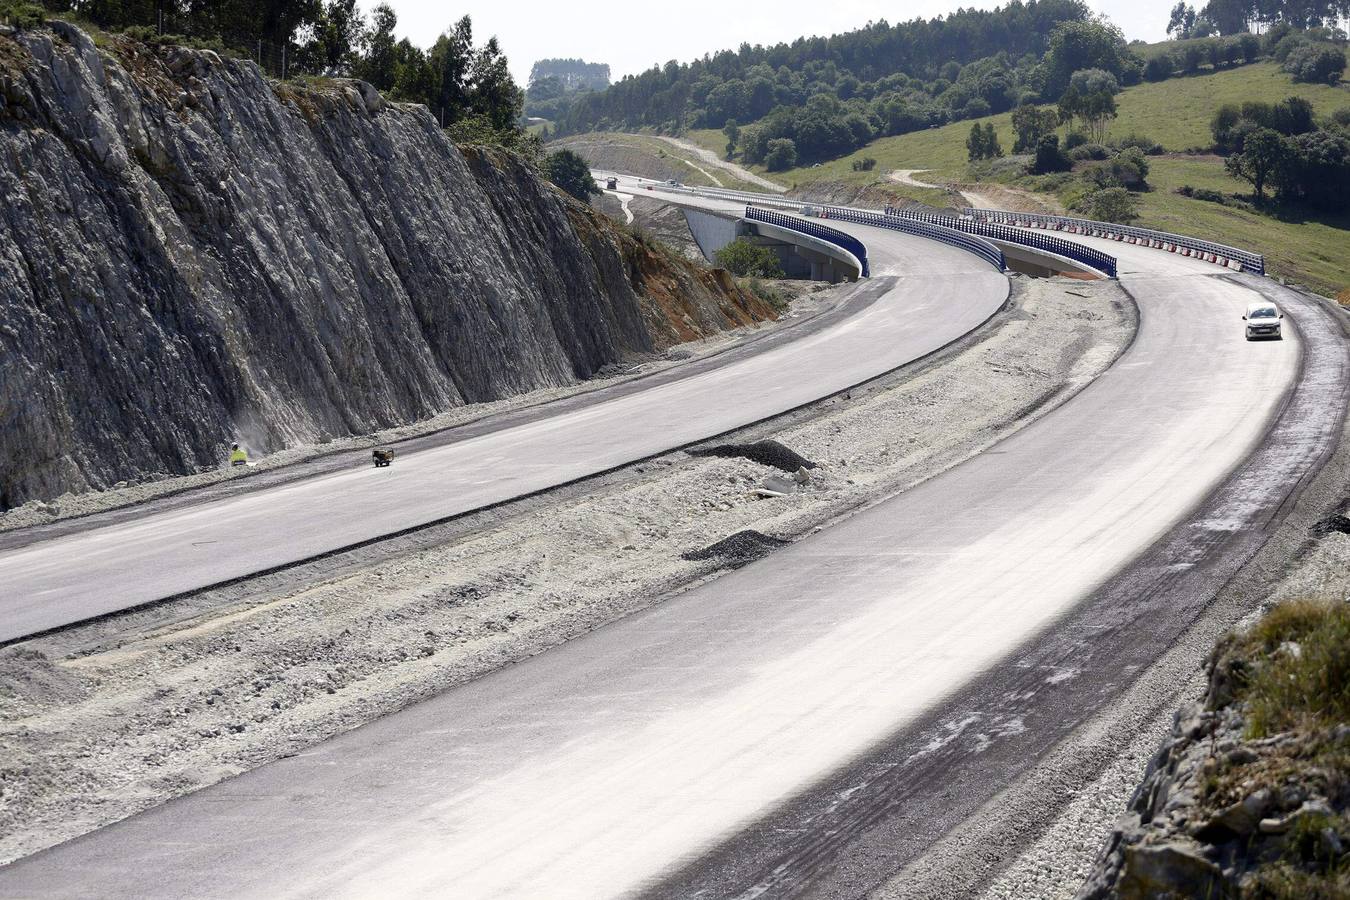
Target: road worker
pixel 238 455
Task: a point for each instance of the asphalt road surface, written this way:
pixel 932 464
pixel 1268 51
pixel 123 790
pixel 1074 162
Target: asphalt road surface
pixel 936 294
pixel 612 763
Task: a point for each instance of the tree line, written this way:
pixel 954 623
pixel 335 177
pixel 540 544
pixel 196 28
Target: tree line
pixel 830 96
pixel 900 76
pixel 1224 17
pixel 466 85
pixel 1283 146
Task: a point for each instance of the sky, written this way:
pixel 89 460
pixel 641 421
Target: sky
pixel 632 36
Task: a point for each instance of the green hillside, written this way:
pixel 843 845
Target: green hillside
pixel 1176 113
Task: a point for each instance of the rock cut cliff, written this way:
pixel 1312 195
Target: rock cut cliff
pixel 191 252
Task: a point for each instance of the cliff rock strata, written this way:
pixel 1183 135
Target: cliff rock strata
pixel 189 251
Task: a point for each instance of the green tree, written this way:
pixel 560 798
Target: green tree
pixel 975 144
pixel 982 142
pixel 1093 111
pixel 782 154
pixel 742 257
pixel 379 65
pixel 571 173
pixel 992 148
pixel 733 133
pixel 1031 123
pixel 1263 152
pixel 1111 204
pixel 1225 119
pixel 492 92
pixel 1084 45
pixel 1049 158
pixel 339 36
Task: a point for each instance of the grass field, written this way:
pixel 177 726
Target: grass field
pixel 1176 113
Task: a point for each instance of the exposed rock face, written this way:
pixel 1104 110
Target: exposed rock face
pixel 189 252
pixel 1220 815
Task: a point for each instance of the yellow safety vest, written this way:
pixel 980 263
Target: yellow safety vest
pixel 238 456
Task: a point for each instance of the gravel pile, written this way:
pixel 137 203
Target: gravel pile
pixel 1332 525
pixel 766 453
pixel 738 549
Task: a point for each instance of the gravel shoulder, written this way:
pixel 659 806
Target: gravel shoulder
pixel 102 720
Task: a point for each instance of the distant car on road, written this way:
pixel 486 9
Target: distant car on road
pixel 673 183
pixel 1263 321
pixel 612 183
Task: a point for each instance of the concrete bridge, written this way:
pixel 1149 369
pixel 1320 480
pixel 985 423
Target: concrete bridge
pixel 800 255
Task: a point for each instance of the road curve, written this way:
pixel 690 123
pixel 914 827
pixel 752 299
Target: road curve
pixel 604 765
pixel 937 295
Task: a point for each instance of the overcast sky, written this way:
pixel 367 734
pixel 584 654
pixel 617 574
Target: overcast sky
pixel 631 36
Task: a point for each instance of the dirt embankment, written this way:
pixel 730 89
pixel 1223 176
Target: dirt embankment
pixel 632 155
pixel 102 720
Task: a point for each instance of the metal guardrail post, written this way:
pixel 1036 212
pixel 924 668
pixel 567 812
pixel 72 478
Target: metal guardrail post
pixel 1221 254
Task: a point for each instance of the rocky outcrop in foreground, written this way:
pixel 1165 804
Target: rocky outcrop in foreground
pixel 191 253
pixel 1250 796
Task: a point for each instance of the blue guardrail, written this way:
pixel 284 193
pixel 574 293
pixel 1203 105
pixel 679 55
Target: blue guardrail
pixel 937 231
pixel 1221 253
pixel 1089 256
pixel 815 230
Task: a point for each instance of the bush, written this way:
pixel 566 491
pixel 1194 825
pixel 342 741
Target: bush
pixel 1146 145
pixel 1316 170
pixel 741 257
pixel 977 108
pixel 1316 65
pixel 1286 688
pixel 1250 45
pixel 1089 151
pixel 1161 67
pixel 1192 55
pixel 1009 166
pixel 1074 139
pixel 1206 194
pixel 1092 81
pixel 771 295
pixel 22 14
pixel 782 154
pixel 1049 158
pixel 866 164
pixel 1130 168
pixel 571 173
pixel 1223 126
pixel 1286 45
pixel 1112 204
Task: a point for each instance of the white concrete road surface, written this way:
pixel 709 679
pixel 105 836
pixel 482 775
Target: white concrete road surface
pixel 602 766
pixel 938 295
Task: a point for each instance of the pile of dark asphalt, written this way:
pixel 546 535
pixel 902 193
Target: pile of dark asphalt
pixel 1337 523
pixel 739 549
pixel 766 453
